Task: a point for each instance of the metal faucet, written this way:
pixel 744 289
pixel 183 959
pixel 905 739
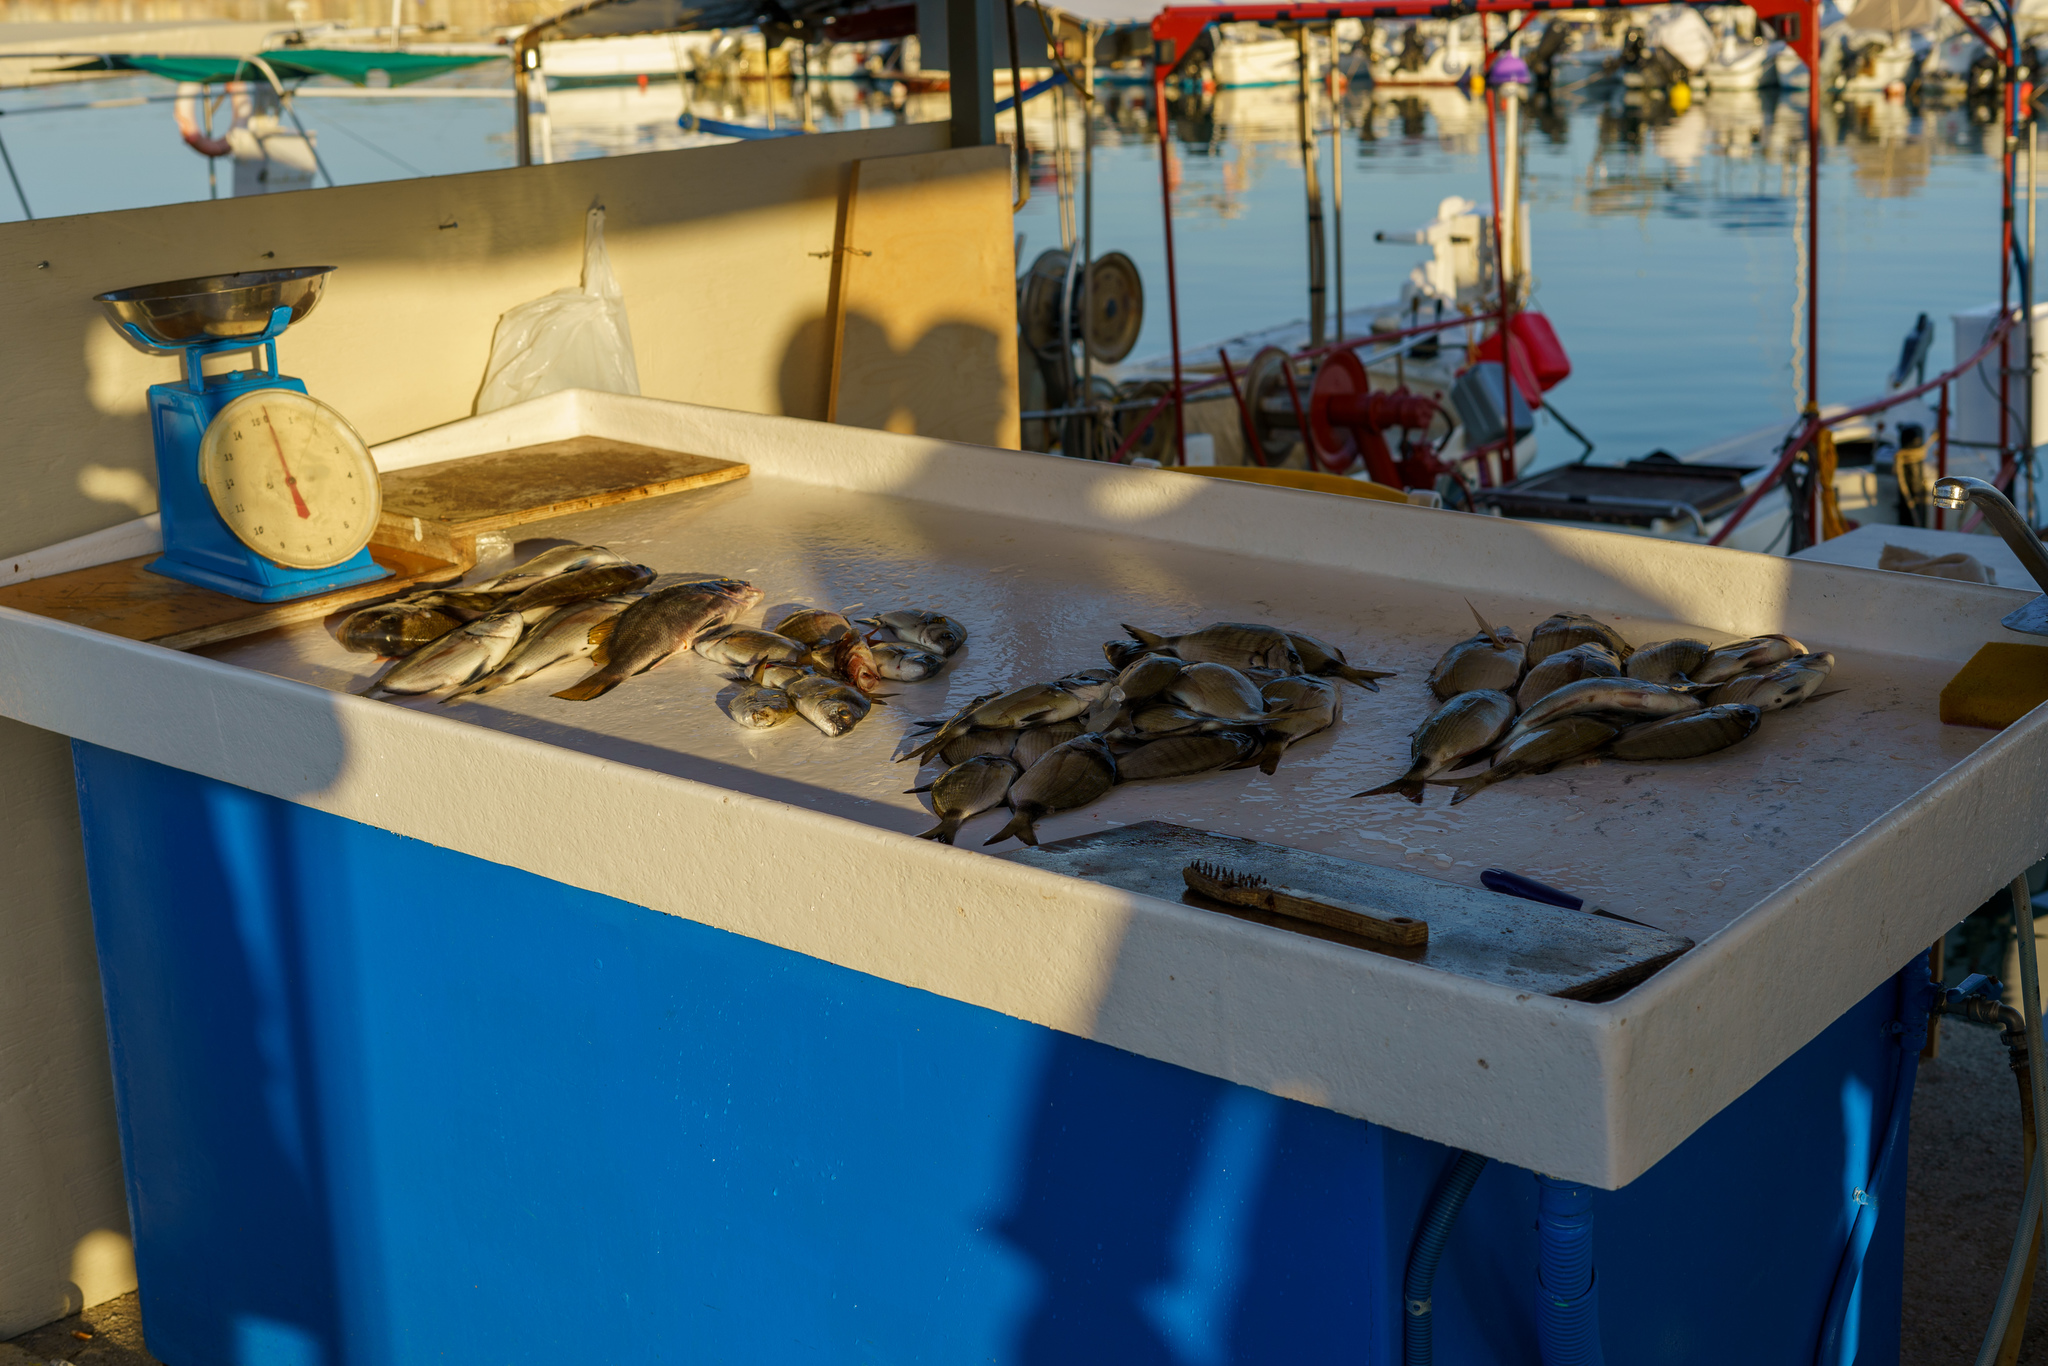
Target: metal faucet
pixel 1953 491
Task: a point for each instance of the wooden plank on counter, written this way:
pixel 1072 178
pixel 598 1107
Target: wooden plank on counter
pixel 124 599
pixel 444 507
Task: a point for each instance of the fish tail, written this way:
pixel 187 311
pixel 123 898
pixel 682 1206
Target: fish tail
pixel 926 788
pixel 1019 826
pixel 1466 786
pixel 1831 692
pixel 1364 678
pixel 1407 785
pixel 1269 757
pixel 1147 638
pixel 596 685
pixel 944 831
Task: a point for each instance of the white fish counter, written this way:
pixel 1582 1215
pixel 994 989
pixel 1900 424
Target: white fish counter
pixel 440 1028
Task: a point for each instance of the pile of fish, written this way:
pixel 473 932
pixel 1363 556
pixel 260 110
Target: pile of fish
pixel 1578 692
pixel 586 603
pixel 1231 695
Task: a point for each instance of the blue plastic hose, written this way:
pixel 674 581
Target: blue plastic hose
pixel 1418 1329
pixel 1568 1314
pixel 1916 996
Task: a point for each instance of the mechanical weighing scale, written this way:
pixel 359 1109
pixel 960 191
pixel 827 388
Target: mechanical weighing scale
pixel 267 494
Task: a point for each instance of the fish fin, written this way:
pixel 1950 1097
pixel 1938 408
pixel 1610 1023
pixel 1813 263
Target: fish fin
pixel 926 788
pixel 1364 678
pixel 1486 628
pixel 1831 692
pixel 1269 757
pixel 1019 826
pixel 1408 787
pixel 944 831
pixel 596 685
pixel 880 699
pixel 1146 638
pixel 376 686
pixel 1466 786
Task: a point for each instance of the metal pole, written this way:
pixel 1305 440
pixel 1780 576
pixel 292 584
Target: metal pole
pixel 1337 176
pixel 1087 204
pixel 2030 987
pixel 522 103
pixel 1813 230
pixel 1313 186
pixel 2005 185
pixel 2033 513
pixel 1161 69
pixel 970 61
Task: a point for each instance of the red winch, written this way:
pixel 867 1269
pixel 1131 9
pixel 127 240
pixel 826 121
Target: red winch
pixel 1347 422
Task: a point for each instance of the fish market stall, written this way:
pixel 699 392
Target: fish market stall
pixel 513 1007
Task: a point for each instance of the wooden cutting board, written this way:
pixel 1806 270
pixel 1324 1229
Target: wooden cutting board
pixel 1472 931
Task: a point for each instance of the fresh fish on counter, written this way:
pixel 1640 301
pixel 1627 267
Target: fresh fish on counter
pixel 1034 744
pixel 1537 751
pixel 834 647
pixel 1491 661
pixel 581 585
pixel 940 634
pixel 744 647
pixel 903 663
pixel 1233 643
pixel 395 629
pixel 1035 704
pixel 1669 662
pixel 1155 719
pixel 1787 685
pixel 573 632
pixel 1179 756
pixel 1456 733
pixel 663 622
pixel 1216 690
pixel 1627 699
pixel 814 625
pixel 1688 737
pixel 1563 630
pixel 759 707
pixel 465 603
pixel 1296 708
pixel 1745 657
pixel 961 748
pixel 1121 654
pixel 1141 680
pixel 771 674
pixel 1327 661
pixel 1074 774
pixel 561 560
pixel 832 706
pixel 966 790
pixel 1591 660
pixel 457 658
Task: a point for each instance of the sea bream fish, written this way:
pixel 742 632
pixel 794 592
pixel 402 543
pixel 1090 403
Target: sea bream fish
pixel 1234 643
pixel 1491 661
pixel 1746 657
pixel 834 647
pixel 1178 756
pixel 1141 680
pixel 743 647
pixel 1037 742
pixel 457 658
pixel 929 630
pixel 961 748
pixel 1536 751
pixel 834 707
pixel 581 585
pixel 1591 660
pixel 660 624
pixel 1455 733
pixel 561 560
pixel 567 633
pixel 1035 704
pixel 759 707
pixel 1688 737
pixel 1074 774
pixel 1216 690
pixel 900 662
pixel 1563 630
pixel 1628 700
pixel 1297 707
pixel 1669 662
pixel 966 790
pixel 1324 660
pixel 395 629
pixel 1786 685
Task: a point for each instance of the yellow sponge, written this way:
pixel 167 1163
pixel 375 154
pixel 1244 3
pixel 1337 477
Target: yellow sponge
pixel 2001 683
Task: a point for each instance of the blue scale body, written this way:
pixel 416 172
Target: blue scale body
pixel 198 547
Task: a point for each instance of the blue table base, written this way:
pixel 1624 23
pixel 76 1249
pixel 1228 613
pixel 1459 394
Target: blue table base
pixel 385 1103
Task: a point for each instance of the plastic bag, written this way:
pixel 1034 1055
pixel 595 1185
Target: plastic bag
pixel 571 339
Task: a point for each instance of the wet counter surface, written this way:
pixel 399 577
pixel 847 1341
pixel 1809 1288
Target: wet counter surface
pixel 1686 847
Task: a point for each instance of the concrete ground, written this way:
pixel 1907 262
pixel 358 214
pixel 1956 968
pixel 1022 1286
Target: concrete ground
pixel 1963 1195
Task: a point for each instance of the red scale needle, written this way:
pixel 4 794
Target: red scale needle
pixel 291 483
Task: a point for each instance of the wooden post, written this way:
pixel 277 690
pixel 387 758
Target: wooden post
pixel 971 67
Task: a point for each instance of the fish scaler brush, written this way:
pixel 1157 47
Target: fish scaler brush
pixel 1241 889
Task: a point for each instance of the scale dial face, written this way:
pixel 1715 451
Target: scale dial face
pixel 291 478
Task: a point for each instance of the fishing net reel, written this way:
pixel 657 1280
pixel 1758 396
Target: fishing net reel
pixel 1342 421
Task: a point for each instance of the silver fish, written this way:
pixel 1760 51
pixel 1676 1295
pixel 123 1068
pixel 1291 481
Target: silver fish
pixel 1327 661
pixel 1142 679
pixel 903 663
pixel 561 560
pixel 660 624
pixel 1154 719
pixel 395 629
pixel 1745 657
pixel 770 674
pixel 1035 704
pixel 1669 662
pixel 1073 774
pixel 582 585
pixel 1297 707
pixel 1177 756
pixel 761 708
pixel 1216 690
pixel 1121 654
pixel 1234 643
pixel 961 748
pixel 1455 733
pixel 1537 751
pixel 940 634
pixel 457 658
pixel 1787 685
pixel 1591 660
pixel 832 706
pixel 1688 737
pixel 1034 744
pixel 742 647
pixel 573 632
pixel 1480 664
pixel 1625 698
pixel 966 790
pixel 1563 630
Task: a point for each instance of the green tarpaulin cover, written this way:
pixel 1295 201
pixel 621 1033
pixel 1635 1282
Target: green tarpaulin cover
pixel 295 63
